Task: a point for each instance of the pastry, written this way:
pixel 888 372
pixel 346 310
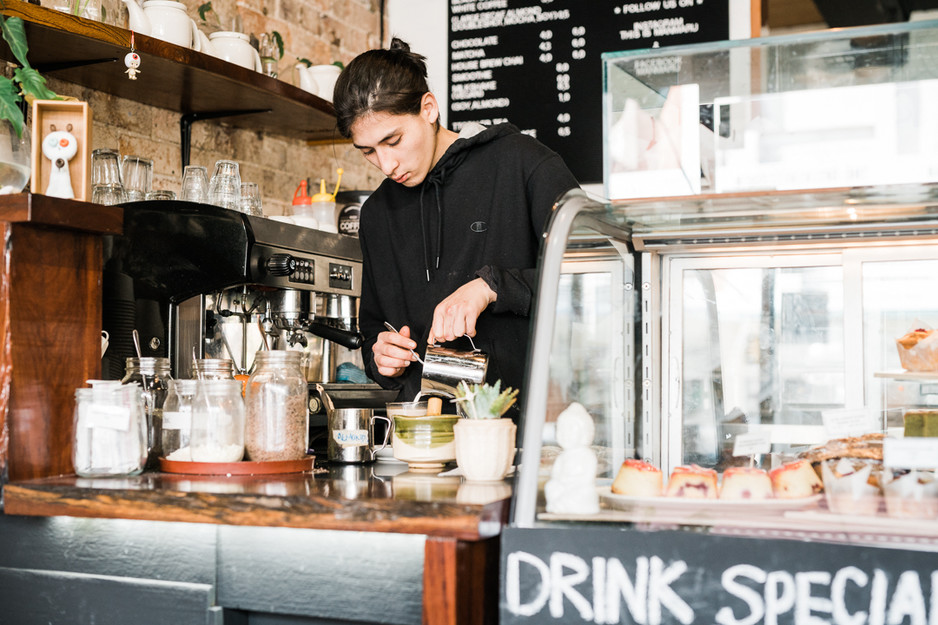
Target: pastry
pixel 847 487
pixel 745 483
pixel 637 478
pixel 920 423
pixel 918 350
pixel 693 482
pixel 913 494
pixel 869 446
pixel 794 480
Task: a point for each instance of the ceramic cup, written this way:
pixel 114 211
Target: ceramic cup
pixel 424 443
pixel 235 48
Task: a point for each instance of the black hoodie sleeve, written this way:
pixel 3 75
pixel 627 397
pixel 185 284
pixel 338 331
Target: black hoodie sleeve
pixel 515 286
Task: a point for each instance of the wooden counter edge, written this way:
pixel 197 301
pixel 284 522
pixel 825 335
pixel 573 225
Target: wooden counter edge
pixel 42 210
pixel 187 507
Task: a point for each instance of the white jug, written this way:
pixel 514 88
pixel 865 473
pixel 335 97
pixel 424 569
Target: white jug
pixel 236 48
pixel 318 79
pixel 164 19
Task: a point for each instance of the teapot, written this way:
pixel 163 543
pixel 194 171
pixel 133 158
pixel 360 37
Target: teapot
pixel 236 48
pixel 166 20
pixel 318 79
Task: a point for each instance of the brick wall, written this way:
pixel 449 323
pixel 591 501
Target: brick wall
pixel 322 31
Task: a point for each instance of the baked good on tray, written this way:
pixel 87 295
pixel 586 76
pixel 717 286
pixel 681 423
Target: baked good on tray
pixel 849 487
pixel 869 446
pixel 693 482
pixel 744 483
pixel 637 478
pixel 795 480
pixel 918 350
pixel 920 423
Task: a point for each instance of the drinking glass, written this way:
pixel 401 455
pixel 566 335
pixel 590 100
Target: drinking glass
pixel 161 194
pixel 105 167
pixel 137 174
pixel 108 195
pixel 225 188
pixel 251 199
pixel 195 184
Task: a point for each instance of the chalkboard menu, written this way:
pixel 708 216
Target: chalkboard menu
pixel 537 63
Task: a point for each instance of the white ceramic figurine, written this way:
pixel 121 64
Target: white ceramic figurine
pixel 60 146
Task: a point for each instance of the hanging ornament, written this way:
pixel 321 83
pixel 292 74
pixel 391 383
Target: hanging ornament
pixel 132 60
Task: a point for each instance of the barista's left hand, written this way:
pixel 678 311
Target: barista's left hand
pixel 456 315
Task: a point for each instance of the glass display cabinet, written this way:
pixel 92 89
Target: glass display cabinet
pixel 773 232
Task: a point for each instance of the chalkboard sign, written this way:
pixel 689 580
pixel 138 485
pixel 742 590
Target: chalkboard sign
pixel 618 575
pixel 537 63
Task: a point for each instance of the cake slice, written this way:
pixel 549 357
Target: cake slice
pixel 795 480
pixel 637 478
pixel 693 482
pixel 745 483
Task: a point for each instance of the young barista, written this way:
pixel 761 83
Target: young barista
pixel 450 239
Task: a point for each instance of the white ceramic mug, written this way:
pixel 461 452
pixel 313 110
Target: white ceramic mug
pixel 236 48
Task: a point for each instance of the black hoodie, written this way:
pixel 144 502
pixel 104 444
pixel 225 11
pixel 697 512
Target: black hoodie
pixel 481 212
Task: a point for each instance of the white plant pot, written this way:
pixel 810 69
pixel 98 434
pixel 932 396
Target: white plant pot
pixel 485 448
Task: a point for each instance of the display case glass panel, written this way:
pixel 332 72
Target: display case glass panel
pixel 815 110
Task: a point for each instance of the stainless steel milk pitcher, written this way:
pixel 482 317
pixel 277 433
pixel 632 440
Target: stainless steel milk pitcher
pixel 444 368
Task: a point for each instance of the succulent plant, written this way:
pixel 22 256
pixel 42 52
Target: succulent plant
pixel 484 401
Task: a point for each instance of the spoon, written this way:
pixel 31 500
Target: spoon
pixel 392 329
pixel 137 343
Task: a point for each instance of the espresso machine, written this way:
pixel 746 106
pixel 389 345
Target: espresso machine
pixel 200 281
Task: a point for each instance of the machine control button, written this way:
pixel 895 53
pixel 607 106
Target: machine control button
pixel 281 265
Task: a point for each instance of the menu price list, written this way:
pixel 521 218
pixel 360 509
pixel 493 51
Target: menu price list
pixel 538 65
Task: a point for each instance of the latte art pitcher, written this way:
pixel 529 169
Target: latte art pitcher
pixel 444 368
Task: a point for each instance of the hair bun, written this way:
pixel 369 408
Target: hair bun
pixel 399 45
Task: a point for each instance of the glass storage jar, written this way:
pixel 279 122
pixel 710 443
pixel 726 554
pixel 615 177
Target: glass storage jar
pixel 277 425
pixel 217 422
pixel 214 369
pixel 177 420
pixel 110 429
pixel 153 376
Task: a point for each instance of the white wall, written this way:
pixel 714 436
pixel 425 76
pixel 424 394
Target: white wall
pixel 422 24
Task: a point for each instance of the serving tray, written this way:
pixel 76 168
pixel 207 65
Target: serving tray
pixel 244 467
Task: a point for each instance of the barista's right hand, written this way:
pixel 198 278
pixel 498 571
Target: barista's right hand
pixel 393 353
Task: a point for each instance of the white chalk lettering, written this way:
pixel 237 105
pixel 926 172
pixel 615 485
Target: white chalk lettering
pixel 775 603
pixel 806 603
pixel 878 598
pixel 907 600
pixel 839 612
pixel 660 592
pixel 751 598
pixel 564 586
pixel 513 583
pixel 635 594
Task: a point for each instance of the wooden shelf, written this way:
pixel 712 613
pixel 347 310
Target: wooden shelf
pixel 91 54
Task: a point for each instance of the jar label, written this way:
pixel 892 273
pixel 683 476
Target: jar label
pixel 106 416
pixel 181 420
pixel 350 438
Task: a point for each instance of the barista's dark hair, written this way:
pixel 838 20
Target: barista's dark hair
pixel 380 81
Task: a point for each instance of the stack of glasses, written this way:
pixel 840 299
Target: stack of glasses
pixel 106 186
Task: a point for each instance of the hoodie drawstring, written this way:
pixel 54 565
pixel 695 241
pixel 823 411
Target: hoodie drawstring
pixel 437 182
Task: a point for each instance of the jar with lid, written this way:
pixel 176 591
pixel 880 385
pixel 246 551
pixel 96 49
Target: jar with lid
pixel 217 421
pixel 177 420
pixel 110 429
pixel 153 376
pixel 214 369
pixel 277 426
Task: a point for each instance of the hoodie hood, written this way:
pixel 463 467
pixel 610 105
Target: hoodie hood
pixel 470 136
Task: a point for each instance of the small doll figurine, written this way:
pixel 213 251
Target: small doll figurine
pixel 132 61
pixel 60 146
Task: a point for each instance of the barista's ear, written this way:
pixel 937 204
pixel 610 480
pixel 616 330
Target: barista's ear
pixel 430 108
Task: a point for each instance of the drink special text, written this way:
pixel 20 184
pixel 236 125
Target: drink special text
pixel 604 591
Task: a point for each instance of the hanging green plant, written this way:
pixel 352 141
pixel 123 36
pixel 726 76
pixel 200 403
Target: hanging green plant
pixel 26 82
